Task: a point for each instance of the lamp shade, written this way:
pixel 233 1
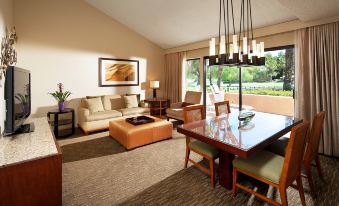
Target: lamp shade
pixel 154 84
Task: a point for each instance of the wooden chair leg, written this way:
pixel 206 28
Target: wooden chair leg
pixel 309 177
pixel 283 196
pixel 317 162
pixel 187 156
pixel 212 172
pixel 301 190
pixel 234 185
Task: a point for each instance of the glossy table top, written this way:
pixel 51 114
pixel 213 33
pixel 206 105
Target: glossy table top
pixel 224 132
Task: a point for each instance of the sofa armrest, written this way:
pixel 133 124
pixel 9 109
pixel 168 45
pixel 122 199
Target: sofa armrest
pixel 82 114
pixel 176 105
pixel 143 104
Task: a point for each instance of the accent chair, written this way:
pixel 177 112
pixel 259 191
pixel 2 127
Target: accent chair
pixel 176 109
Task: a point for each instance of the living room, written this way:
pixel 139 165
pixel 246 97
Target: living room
pixel 169 49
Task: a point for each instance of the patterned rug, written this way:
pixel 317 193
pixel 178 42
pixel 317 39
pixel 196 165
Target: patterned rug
pixel 99 171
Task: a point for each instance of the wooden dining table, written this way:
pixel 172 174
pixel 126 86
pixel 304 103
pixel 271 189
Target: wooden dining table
pixel 231 137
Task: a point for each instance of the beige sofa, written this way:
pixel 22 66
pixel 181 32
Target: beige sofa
pixel 114 108
pixel 176 109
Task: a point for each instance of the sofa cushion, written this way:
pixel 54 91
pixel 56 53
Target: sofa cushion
pixel 92 97
pixel 94 105
pixel 113 102
pixel 133 111
pixel 103 115
pixel 138 97
pixel 131 101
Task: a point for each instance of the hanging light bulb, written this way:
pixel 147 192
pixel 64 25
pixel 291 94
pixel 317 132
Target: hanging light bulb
pixel 222 45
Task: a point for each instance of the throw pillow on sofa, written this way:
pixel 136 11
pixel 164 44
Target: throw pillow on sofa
pixel 131 101
pixel 112 102
pixel 94 105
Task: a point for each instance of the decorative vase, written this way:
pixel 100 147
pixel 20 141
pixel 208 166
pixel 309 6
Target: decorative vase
pixel 61 106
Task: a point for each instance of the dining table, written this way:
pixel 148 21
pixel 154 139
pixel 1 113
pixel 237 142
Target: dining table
pixel 235 138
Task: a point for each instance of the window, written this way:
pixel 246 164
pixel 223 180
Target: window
pixel 266 88
pixel 192 75
pixel 276 78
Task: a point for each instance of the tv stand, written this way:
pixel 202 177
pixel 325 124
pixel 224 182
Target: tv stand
pixel 31 173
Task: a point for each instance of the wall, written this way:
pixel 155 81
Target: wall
pixel 6 20
pixel 61 41
pixel 265 103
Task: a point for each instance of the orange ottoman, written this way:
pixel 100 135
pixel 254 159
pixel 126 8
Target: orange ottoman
pixel 131 136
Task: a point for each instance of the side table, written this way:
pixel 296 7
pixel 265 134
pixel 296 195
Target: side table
pixel 158 106
pixel 56 123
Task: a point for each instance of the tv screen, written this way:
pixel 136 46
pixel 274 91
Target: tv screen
pixel 18 98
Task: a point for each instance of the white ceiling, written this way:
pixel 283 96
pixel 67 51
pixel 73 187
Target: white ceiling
pixel 171 23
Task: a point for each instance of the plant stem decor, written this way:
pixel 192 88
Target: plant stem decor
pixel 61 96
pixel 8 54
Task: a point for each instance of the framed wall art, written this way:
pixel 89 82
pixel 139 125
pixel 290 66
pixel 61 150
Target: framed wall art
pixel 118 72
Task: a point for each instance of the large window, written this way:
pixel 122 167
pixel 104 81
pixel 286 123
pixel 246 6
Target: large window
pixel 192 75
pixel 266 88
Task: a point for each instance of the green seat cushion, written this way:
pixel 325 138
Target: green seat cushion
pixel 279 146
pixel 204 148
pixel 263 164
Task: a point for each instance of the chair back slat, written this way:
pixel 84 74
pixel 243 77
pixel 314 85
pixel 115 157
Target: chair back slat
pixel 312 146
pixel 193 113
pixel 294 154
pixel 222 108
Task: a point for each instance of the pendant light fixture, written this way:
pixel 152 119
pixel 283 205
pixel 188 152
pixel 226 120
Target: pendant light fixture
pixel 232 53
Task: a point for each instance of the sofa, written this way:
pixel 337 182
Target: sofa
pixel 176 109
pixel 95 112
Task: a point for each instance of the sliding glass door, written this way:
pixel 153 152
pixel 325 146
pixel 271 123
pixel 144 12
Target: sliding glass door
pixel 266 88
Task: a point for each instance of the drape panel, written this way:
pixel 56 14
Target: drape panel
pixel 317 80
pixel 173 76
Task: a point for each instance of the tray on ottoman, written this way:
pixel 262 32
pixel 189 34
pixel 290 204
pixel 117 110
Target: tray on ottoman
pixel 139 120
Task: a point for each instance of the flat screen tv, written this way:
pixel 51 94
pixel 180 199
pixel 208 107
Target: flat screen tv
pixel 18 100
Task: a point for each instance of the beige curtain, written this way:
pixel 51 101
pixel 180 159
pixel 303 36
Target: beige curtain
pixel 174 64
pixel 317 80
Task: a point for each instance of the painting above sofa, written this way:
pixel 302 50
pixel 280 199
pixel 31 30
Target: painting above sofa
pixel 118 72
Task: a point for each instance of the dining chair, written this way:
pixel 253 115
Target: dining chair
pixel 222 108
pixel 274 169
pixel 311 151
pixel 191 114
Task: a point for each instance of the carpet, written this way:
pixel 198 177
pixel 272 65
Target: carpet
pixel 98 171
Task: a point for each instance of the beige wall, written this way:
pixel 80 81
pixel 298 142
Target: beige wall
pixel 6 20
pixel 61 41
pixel 265 103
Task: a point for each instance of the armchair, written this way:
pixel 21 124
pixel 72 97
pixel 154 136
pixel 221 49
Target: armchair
pixel 176 109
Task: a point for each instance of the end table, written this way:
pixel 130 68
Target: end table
pixel 56 123
pixel 158 106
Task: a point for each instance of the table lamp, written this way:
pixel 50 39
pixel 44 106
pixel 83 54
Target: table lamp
pixel 154 85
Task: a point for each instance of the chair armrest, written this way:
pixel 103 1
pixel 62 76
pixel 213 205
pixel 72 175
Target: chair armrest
pixel 82 114
pixel 176 105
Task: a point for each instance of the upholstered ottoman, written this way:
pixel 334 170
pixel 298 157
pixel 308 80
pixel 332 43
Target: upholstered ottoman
pixel 131 136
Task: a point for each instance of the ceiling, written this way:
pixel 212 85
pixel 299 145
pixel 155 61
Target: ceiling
pixel 177 22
